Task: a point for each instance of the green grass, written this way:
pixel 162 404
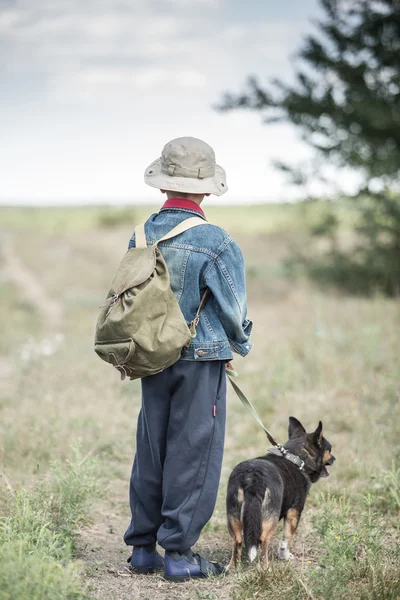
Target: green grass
pixel 385 489
pixel 350 558
pixel 37 537
pixel 354 557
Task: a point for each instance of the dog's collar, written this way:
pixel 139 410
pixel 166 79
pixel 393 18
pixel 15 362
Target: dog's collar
pixel 281 451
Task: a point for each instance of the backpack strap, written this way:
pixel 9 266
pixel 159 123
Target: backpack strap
pixel 193 324
pixel 184 226
pixel 140 237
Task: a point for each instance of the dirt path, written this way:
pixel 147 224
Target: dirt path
pixel 31 290
pixel 15 270
pixel 104 553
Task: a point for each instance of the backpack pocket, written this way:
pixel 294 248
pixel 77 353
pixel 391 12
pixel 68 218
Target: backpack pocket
pixel 117 353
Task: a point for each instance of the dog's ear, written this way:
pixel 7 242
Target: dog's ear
pixel 295 429
pixel 318 435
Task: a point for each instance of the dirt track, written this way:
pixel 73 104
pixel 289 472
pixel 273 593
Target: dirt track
pixel 102 548
pixel 31 289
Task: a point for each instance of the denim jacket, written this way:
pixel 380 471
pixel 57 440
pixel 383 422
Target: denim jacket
pixel 200 258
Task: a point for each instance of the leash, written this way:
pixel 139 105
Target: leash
pixel 246 402
pixel 231 373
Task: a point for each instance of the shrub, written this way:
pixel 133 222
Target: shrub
pixel 372 264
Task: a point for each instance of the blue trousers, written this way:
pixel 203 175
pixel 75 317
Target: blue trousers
pixel 179 450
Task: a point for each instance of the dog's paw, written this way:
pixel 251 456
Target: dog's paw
pixel 284 553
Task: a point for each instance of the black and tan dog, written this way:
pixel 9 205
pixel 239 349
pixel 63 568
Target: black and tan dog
pixel 264 490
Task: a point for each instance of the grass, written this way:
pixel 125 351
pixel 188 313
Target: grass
pixel 37 536
pixel 385 490
pixel 280 581
pixel 354 556
pixel 317 355
pixel 256 219
pixel 351 559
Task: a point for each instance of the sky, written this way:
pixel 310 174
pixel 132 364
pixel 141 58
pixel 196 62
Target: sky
pixel 91 90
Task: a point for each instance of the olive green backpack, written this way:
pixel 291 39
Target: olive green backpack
pixel 141 329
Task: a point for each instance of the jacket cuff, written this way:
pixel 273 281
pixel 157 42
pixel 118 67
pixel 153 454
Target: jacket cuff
pixel 243 348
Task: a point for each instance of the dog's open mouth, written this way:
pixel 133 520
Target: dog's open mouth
pixel 329 463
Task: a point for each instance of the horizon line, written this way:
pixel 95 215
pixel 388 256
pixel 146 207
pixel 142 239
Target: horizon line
pixel 58 202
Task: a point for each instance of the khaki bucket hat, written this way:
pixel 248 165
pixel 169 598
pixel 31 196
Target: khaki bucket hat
pixel 187 165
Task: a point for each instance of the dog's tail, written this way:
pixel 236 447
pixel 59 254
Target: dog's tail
pixel 252 524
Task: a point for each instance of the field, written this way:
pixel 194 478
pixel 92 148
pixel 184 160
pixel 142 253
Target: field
pixel 67 423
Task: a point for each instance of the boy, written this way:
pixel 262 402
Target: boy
pixel 181 426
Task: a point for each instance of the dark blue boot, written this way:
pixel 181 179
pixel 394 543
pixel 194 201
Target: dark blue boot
pixel 145 560
pixel 186 565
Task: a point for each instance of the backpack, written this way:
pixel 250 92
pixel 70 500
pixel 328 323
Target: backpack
pixel 141 329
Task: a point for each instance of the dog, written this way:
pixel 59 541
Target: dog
pixel 264 490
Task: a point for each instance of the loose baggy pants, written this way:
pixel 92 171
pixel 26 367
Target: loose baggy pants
pixel 179 450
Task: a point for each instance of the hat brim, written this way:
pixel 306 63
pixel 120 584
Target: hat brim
pixel 216 185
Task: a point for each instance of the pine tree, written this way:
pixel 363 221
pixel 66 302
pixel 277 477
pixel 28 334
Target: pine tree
pixel 346 103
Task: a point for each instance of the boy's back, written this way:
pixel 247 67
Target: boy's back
pixel 204 257
pixel 180 432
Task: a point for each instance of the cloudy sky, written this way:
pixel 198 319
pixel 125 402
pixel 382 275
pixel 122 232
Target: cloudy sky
pixel 91 90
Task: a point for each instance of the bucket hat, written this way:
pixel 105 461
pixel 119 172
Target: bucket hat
pixel 187 165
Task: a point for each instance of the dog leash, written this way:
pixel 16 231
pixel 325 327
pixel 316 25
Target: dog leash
pixel 246 402
pixel 231 373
